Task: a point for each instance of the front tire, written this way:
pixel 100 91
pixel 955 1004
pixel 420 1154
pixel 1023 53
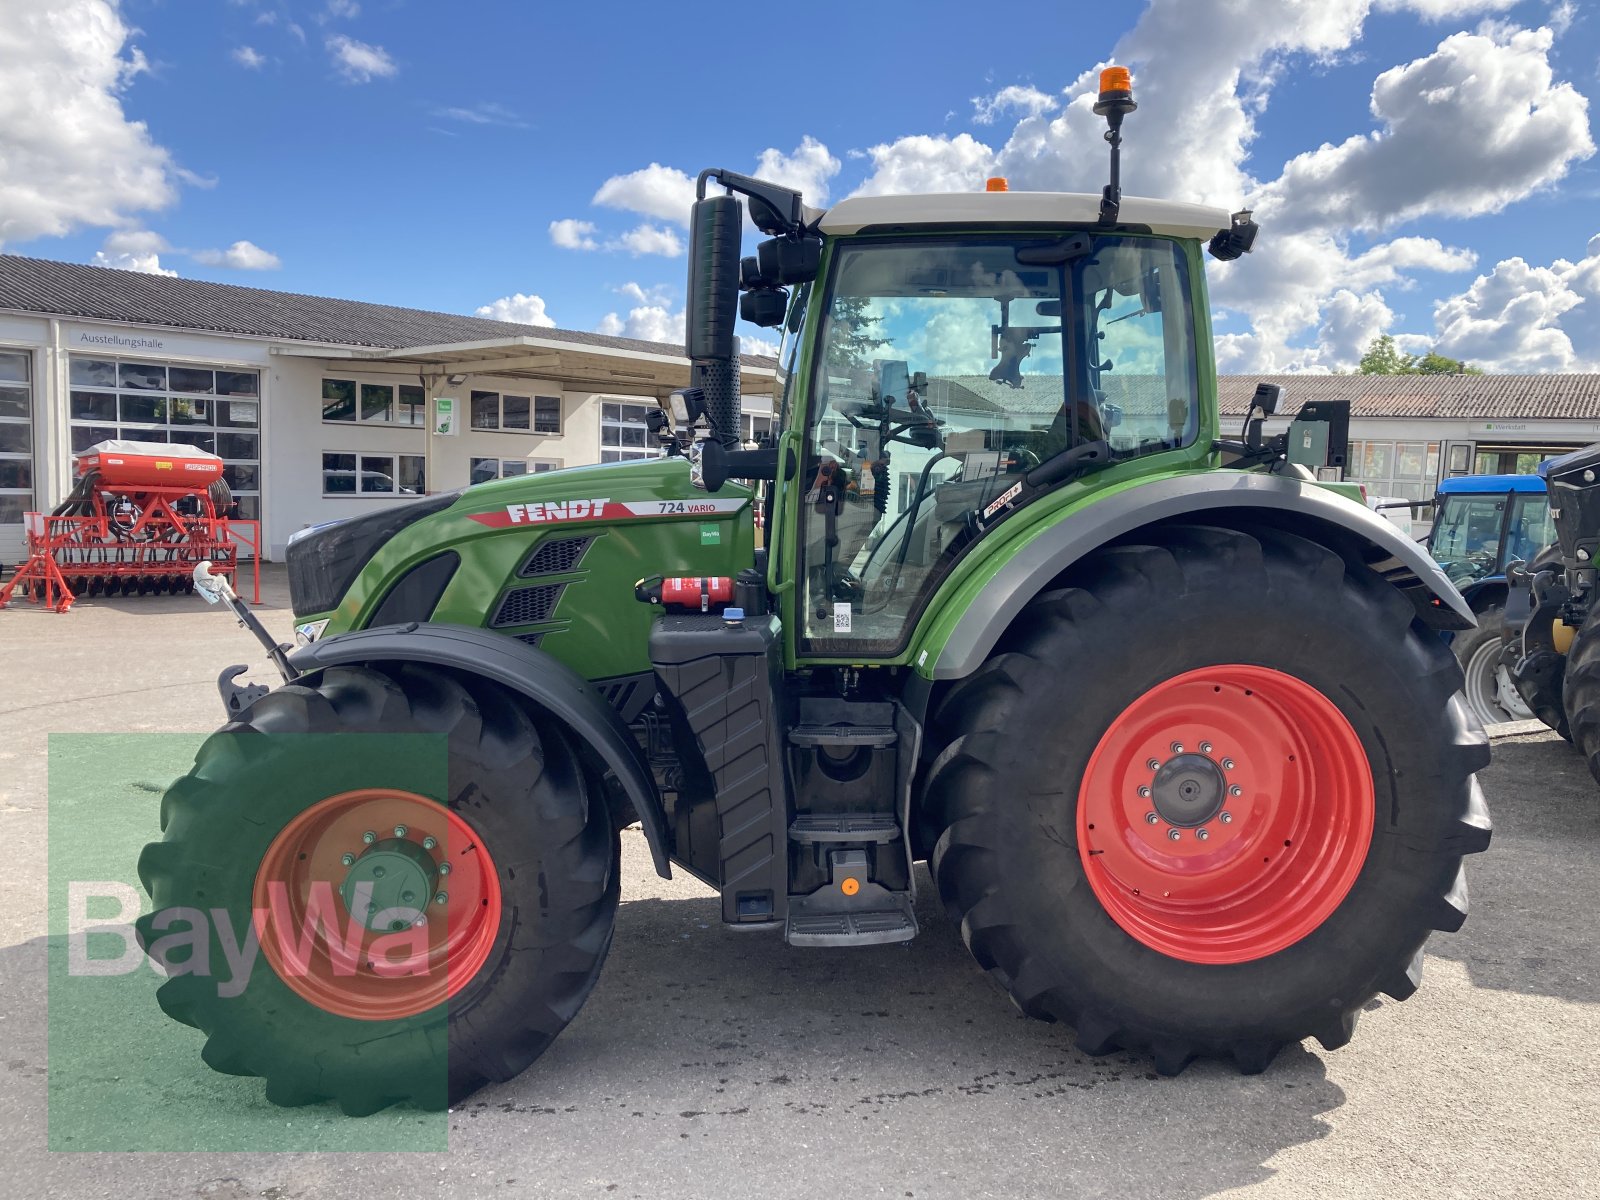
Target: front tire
pixel 1580 691
pixel 508 858
pixel 1336 713
pixel 1487 687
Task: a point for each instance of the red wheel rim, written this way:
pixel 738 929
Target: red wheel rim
pixel 379 965
pixel 1230 875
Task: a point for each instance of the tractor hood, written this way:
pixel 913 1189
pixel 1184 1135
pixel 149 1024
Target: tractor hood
pixel 538 557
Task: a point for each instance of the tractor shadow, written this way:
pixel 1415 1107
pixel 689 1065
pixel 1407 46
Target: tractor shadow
pixel 695 1031
pixel 1530 928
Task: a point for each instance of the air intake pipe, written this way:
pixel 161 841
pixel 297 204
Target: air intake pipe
pixel 715 232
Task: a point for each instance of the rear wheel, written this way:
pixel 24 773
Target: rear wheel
pixel 1244 822
pixel 1580 691
pixel 431 911
pixel 1488 689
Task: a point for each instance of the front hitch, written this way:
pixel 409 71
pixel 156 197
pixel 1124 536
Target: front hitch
pixel 215 589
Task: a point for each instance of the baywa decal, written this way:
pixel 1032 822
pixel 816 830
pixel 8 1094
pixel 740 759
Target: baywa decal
pixel 601 508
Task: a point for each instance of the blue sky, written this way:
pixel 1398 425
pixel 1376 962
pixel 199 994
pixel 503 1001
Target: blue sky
pixel 417 153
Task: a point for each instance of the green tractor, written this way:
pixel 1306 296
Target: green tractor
pixel 1179 742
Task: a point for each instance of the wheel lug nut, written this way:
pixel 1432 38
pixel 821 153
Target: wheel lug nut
pixel 1151 818
pixel 1235 790
pixel 1201 834
pixel 369 837
pixel 1154 764
pixel 420 922
pixel 444 868
pixel 441 897
pixel 1144 791
pixel 1174 834
pixel 347 859
pixel 1205 747
pixel 1226 818
pixel 1227 764
pixel 1177 747
pixel 399 831
pixel 429 843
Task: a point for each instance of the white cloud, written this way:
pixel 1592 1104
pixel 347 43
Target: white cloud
pixel 1441 10
pixel 1477 124
pixel 648 239
pixel 347 10
pixel 483 114
pixel 653 191
pixel 248 58
pixel 572 234
pixel 656 294
pixel 1527 318
pixel 808 169
pixel 518 308
pixel 358 62
pixel 753 346
pixel 133 250
pixel 241 256
pixel 69 156
pixel 925 163
pixel 647 322
pixel 1019 98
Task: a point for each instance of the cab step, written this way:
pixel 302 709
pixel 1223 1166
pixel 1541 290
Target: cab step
pixel 864 927
pixel 877 828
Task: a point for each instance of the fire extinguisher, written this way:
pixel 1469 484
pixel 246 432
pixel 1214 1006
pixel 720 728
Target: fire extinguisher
pixel 685 591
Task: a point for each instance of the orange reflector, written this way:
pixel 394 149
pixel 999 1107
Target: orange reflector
pixel 995 183
pixel 1115 79
pixel 850 887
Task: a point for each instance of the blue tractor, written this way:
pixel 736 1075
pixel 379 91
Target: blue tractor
pixel 1481 523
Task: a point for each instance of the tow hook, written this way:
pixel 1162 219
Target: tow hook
pixel 236 697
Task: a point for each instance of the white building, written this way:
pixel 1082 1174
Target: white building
pixel 317 406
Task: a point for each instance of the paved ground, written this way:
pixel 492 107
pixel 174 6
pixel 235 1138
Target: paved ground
pixel 709 1064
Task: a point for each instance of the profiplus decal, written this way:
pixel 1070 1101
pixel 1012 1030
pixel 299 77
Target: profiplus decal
pixel 601 508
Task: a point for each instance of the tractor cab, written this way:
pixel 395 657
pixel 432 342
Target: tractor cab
pixel 1483 522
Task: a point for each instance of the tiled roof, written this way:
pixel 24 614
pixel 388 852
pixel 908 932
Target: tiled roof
pixel 78 290
pixel 1463 397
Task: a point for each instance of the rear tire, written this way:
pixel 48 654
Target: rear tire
pixel 1580 691
pixel 1016 864
pixel 515 788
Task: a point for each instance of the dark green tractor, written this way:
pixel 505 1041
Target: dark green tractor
pixel 1179 743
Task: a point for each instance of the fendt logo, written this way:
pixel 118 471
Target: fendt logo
pixel 602 508
pixel 556 510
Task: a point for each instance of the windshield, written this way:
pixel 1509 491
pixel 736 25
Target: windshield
pixel 950 368
pixel 1466 536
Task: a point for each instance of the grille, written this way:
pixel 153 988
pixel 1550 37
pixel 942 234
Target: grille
pixel 525 606
pixel 555 557
pixel 532 639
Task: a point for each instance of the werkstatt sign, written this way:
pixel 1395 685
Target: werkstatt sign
pixel 446 415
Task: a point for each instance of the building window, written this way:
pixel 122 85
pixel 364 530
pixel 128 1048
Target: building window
pixel 16 436
pixel 215 410
pixel 350 401
pixel 1396 470
pixel 623 432
pixel 347 473
pixel 482 470
pixel 516 414
pixel 756 427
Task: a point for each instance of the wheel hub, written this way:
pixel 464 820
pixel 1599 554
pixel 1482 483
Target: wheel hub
pixel 1188 790
pixel 390 884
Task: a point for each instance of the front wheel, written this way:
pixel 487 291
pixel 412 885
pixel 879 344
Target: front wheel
pixel 1208 798
pixel 1487 686
pixel 429 878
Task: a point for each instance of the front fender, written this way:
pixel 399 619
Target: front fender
pixel 549 683
pixel 1305 508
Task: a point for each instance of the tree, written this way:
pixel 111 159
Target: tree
pixel 1383 357
pixel 850 340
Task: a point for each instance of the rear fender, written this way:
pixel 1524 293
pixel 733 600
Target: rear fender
pixel 547 682
pixel 1232 498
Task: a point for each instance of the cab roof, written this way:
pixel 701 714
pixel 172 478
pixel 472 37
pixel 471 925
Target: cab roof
pixel 1167 217
pixel 1490 484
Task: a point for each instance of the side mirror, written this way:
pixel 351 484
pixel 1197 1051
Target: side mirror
pixel 765 307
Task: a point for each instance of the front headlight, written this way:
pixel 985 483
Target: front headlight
pixel 309 631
